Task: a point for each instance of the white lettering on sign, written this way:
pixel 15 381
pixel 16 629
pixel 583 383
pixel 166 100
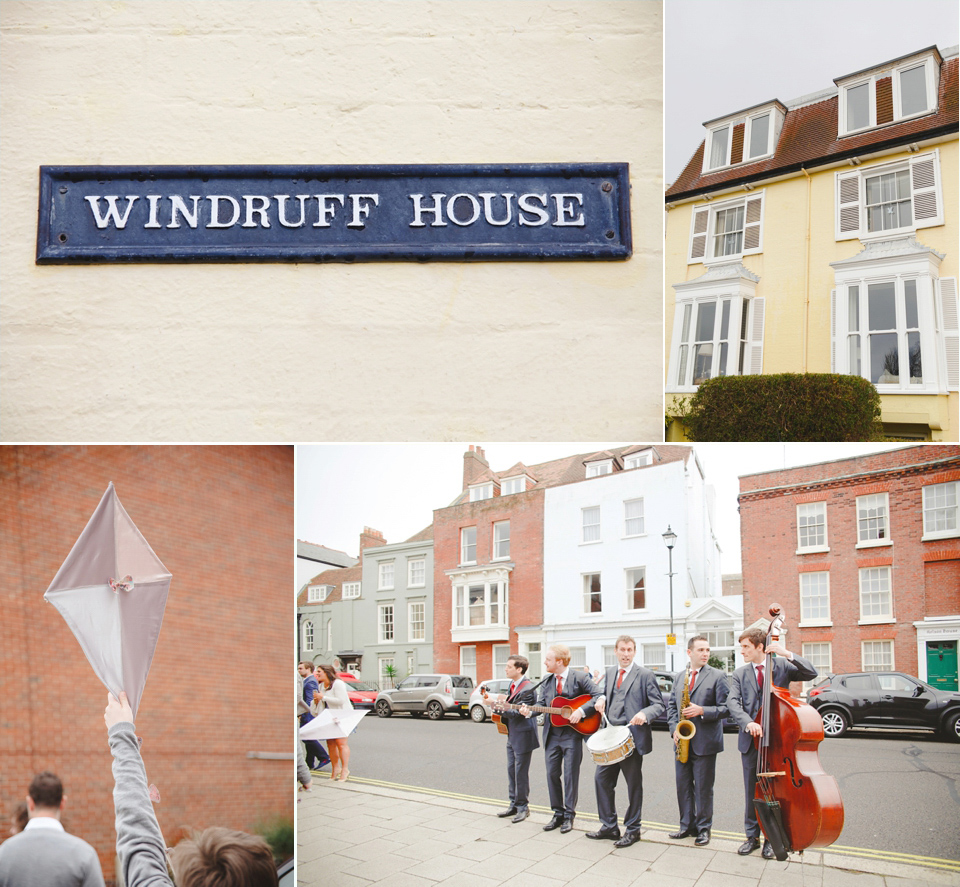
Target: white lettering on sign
pixel 463 209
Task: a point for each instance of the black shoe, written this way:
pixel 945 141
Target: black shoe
pixel 686 833
pixel 521 815
pixel 767 852
pixel 703 838
pixel 628 839
pixel 510 811
pixel 611 833
pixel 556 822
pixel 566 827
pixel 748 846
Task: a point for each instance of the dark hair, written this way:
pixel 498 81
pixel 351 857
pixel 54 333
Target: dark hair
pixel 694 639
pixel 307 663
pixel 46 790
pixel 756 636
pixel 520 662
pixel 21 816
pixel 221 857
pixel 329 672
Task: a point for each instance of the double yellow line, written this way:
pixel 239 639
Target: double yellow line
pixel 934 862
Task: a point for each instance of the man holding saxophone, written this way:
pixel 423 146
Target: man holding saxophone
pixel 695 712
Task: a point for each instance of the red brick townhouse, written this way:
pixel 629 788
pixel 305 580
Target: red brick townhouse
pixel 488 556
pixel 864 555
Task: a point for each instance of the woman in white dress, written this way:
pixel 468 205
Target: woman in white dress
pixel 333 694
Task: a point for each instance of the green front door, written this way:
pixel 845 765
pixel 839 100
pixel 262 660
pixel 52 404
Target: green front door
pixel 942 664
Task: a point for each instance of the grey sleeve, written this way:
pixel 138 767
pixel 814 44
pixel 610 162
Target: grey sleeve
pixel 140 844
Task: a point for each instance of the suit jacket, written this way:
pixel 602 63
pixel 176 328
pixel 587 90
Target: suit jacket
pixel 577 684
pixel 710 691
pixel 521 731
pixel 309 685
pixel 744 699
pixel 641 694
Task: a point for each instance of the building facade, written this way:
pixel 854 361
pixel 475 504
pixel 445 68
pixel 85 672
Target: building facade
pixel 821 236
pixel 863 554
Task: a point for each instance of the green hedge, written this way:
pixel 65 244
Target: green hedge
pixel 789 406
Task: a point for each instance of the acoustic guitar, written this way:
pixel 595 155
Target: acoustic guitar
pixel 560 712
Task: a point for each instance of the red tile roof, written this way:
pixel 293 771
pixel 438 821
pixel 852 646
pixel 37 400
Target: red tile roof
pixel 809 138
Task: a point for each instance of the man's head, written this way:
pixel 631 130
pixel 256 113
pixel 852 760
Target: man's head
pixel 221 857
pixel 626 649
pixel 556 659
pixel 305 668
pixel 517 667
pixel 698 649
pixel 45 796
pixel 751 645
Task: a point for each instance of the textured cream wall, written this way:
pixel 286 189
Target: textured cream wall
pixel 561 350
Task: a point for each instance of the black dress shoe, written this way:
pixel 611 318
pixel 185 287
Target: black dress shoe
pixel 703 838
pixel 611 833
pixel 767 852
pixel 521 815
pixel 687 833
pixel 566 827
pixel 748 846
pixel 510 811
pixel 628 839
pixel 556 822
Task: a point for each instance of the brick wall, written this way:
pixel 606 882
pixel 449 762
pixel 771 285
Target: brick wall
pixel 221 683
pixel 925 576
pixel 525 513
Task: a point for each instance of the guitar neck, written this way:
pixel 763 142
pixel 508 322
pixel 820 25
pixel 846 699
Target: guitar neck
pixel 546 709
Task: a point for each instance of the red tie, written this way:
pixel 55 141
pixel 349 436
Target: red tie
pixel 760 676
pixel 559 685
pixel 623 671
pixel 693 678
pixel 512 685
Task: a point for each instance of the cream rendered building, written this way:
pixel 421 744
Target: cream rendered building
pixel 821 236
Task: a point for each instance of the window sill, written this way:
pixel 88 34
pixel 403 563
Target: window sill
pixel 635 536
pixel 505 557
pixel 942 534
pixel 879 543
pixel 816 623
pixel 814 549
pixel 878 126
pixel 877 620
pixel 418 585
pixel 592 542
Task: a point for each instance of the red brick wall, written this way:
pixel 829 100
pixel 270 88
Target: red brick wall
pixel 525 513
pixel 768 528
pixel 221 520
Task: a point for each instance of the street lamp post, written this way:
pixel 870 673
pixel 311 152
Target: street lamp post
pixel 670 538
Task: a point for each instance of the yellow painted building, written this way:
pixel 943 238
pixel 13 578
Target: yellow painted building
pixel 822 236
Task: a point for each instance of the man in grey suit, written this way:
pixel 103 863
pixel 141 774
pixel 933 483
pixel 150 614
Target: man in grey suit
pixel 744 703
pixel 43 854
pixel 521 738
pixel 631 696
pixel 563 746
pixel 706 711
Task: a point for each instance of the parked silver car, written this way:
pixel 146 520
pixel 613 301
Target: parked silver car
pixel 430 694
pixel 480 707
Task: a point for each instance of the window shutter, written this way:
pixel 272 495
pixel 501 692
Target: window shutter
pixel 698 241
pixel 756 339
pixel 884 100
pixel 833 331
pixel 736 143
pixel 947 288
pixel 752 225
pixel 848 205
pixel 926 190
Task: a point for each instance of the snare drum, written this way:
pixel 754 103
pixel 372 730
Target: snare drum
pixel 611 745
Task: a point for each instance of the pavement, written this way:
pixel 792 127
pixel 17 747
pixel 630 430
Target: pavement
pixel 365 832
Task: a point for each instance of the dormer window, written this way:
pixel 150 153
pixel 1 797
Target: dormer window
pixel 317 594
pixel 479 492
pixel 636 460
pixel 513 485
pixel 750 135
pixel 596 469
pixel 899 90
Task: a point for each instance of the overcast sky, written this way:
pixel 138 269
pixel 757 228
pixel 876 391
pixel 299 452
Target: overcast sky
pixel 724 55
pixel 395 487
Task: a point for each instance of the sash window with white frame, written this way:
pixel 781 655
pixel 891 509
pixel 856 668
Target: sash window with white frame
pixel 876 597
pixel 728 229
pixel 940 516
pixel 479 603
pixel 873 521
pixel 815 598
pixel 812 527
pixel 416 622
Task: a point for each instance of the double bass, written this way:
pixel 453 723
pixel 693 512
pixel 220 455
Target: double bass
pixel 798 805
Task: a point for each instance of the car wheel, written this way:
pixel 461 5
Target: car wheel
pixel 952 727
pixel 834 723
pixel 477 714
pixel 434 710
pixel 383 708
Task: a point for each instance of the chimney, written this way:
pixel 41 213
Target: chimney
pixel 474 464
pixel 371 538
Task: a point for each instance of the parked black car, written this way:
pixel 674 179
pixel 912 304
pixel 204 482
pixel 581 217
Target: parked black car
pixel 884 699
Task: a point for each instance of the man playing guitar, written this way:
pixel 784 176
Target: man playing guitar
pixel 521 738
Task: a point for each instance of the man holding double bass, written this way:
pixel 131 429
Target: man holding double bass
pixel 743 703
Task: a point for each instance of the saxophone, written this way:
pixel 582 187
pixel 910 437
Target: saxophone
pixel 685 728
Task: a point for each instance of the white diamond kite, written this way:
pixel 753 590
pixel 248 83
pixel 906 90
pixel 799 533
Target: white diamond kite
pixel 112 590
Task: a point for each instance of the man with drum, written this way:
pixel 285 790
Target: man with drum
pixel 705 710
pixel 563 746
pixel 630 697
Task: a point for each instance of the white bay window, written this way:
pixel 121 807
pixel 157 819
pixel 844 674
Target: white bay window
pixel 480 598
